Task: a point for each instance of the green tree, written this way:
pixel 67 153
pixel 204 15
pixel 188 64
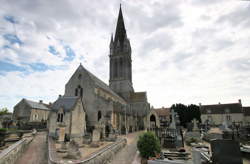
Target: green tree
pixel 187 113
pixel 148 145
pixel 4 111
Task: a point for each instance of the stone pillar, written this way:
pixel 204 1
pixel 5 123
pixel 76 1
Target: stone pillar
pixel 196 156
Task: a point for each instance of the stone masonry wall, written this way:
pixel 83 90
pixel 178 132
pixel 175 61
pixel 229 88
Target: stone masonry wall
pixel 101 157
pixel 12 153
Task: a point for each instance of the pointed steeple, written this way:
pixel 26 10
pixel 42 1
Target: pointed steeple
pixel 120 32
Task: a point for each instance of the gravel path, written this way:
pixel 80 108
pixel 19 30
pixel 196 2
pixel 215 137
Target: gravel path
pixel 36 152
pixel 128 154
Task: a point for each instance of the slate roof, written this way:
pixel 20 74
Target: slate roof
pixel 138 96
pixel 36 105
pixel 221 108
pixel 164 112
pixel 246 111
pixel 102 85
pixel 67 103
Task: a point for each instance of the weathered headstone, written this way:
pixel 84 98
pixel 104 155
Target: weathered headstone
pixel 73 150
pixel 226 152
pixel 195 126
pixel 96 135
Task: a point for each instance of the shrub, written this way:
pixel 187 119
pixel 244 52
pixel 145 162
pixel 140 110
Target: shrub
pixel 148 145
pixel 191 140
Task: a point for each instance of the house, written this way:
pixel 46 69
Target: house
pixel 31 111
pixel 67 118
pixel 164 116
pixel 216 114
pixel 246 111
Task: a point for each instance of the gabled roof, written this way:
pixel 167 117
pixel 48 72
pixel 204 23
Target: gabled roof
pixel 221 108
pixel 99 83
pixel 164 112
pixel 36 105
pixel 67 103
pixel 246 111
pixel 138 96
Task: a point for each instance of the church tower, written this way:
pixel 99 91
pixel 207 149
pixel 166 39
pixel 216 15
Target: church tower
pixel 120 78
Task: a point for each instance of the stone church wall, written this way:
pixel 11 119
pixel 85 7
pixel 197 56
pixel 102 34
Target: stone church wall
pixel 21 110
pixel 88 93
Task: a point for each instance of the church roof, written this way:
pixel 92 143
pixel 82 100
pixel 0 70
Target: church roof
pixel 138 96
pixel 221 108
pixel 36 105
pixel 65 102
pixel 101 84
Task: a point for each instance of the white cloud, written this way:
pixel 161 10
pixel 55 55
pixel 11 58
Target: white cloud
pixel 188 51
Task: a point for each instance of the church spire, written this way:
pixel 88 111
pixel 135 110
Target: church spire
pixel 120 32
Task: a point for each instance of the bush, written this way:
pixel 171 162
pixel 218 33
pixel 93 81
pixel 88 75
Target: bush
pixel 148 145
pixel 191 140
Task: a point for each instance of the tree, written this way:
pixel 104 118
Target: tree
pixel 4 111
pixel 148 145
pixel 187 113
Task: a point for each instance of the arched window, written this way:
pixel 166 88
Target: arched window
pixel 121 68
pixel 60 117
pixel 116 69
pixel 99 115
pixel 76 92
pixel 79 91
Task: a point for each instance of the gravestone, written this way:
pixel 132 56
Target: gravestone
pixel 195 126
pixel 195 133
pixel 73 150
pixel 173 123
pixel 226 152
pixel 96 136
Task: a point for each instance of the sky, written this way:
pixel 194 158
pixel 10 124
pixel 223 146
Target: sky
pixel 183 51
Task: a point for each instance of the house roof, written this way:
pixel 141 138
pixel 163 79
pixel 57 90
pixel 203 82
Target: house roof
pixel 246 111
pixel 221 108
pixel 164 112
pixel 36 105
pixel 101 84
pixel 138 96
pixel 67 103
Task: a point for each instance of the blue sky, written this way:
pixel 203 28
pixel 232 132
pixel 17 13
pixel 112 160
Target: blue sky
pixel 191 51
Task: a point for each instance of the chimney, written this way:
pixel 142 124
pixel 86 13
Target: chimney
pixel 162 107
pixel 40 101
pixel 60 96
pixel 239 101
pixel 199 104
pixel 219 103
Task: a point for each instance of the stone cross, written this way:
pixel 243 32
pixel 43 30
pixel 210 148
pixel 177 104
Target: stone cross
pixel 173 124
pixel 195 126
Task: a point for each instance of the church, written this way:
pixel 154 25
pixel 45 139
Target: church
pixel 117 107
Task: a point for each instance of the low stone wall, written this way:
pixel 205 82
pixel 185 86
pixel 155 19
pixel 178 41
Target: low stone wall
pixel 103 156
pixel 12 153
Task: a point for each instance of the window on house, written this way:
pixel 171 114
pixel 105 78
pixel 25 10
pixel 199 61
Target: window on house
pixel 228 118
pixel 99 115
pixel 60 117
